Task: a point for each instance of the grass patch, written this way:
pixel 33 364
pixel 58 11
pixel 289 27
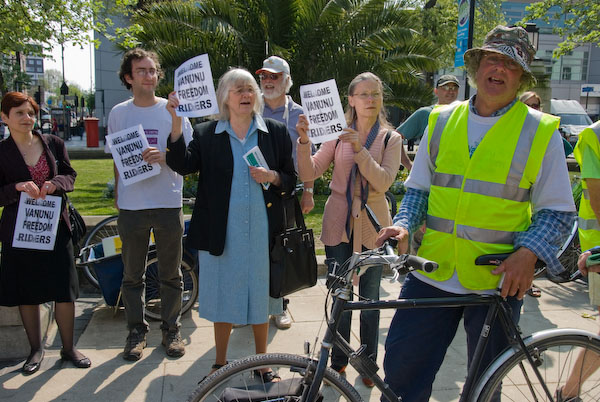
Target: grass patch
pixel 92 176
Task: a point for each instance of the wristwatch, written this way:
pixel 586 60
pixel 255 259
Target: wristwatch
pixel 310 190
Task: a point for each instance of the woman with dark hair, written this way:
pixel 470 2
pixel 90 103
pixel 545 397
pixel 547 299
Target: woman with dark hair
pixel 37 165
pixel 235 219
pixel 366 159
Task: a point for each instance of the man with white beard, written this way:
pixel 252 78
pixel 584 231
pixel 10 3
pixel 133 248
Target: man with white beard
pixel 275 83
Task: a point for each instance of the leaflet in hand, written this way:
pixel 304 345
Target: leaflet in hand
pixel 126 147
pixel 37 222
pixel 255 158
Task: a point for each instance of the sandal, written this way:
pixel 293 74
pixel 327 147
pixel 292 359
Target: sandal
pixel 213 368
pixel 267 376
pixel 534 291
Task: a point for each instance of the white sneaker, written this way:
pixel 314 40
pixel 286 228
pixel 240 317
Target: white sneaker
pixel 283 320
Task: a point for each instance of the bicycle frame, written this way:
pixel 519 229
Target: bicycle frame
pixel 366 367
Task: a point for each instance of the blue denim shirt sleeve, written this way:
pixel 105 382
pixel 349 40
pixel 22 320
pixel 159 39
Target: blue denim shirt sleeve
pixel 547 232
pixel 413 210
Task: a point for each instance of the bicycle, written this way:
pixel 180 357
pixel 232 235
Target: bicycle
pixel 92 260
pixel 531 368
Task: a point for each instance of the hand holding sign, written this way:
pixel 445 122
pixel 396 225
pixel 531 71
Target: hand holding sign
pixel 194 88
pixel 323 108
pixel 37 222
pixel 133 157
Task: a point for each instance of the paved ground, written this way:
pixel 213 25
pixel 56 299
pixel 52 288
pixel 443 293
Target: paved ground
pixel 157 377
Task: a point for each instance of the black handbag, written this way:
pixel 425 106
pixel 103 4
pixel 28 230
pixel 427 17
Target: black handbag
pixel 293 260
pixel 78 228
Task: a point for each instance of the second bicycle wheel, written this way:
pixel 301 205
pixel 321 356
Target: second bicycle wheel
pixel 190 287
pixel 557 359
pixel 238 381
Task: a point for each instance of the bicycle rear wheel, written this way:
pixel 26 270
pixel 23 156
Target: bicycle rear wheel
pixel 237 381
pixel 555 358
pixel 190 287
pixel 105 228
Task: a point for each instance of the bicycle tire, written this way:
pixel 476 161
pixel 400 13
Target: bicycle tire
pixel 239 375
pixel 554 355
pixel 152 299
pixel 392 203
pixel 105 228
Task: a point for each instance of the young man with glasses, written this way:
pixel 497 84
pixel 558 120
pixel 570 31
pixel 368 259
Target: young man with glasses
pixel 151 204
pixel 275 83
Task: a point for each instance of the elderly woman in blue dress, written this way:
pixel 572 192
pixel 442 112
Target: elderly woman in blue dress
pixel 235 218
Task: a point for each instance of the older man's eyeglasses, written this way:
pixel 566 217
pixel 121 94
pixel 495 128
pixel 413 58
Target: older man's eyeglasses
pixel 535 105
pixel 270 76
pixel 497 60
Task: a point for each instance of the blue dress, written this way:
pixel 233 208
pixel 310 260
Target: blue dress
pixel 234 286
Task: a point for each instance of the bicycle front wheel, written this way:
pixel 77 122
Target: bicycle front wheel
pixel 238 381
pixel 573 357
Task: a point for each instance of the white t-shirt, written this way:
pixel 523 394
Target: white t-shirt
pixel 548 192
pixel 164 189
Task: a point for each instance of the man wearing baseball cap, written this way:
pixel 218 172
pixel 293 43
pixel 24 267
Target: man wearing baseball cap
pixel 446 90
pixel 275 83
pixel 490 178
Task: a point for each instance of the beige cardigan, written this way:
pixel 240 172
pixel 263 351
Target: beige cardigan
pixel 378 166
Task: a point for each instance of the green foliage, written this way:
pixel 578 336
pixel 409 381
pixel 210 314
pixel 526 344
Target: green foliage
pixel 320 39
pixel 439 24
pixel 11 77
pixel 580 21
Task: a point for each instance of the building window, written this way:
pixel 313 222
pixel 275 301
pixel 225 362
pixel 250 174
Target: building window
pixel 566 73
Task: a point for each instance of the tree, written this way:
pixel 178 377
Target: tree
pixel 33 26
pixel 580 21
pixel 439 24
pixel 320 39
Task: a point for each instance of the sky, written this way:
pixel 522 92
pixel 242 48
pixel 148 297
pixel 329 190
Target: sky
pixel 77 64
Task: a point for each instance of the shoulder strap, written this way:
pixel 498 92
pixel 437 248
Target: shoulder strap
pixel 387 138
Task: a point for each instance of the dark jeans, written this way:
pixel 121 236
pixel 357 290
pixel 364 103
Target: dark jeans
pixel 369 320
pixel 134 230
pixel 418 339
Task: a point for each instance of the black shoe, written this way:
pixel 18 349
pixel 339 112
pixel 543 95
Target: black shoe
pixel 84 362
pixel 267 376
pixel 31 367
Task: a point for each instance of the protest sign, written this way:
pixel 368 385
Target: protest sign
pixel 254 157
pixel 195 89
pixel 37 222
pixel 323 108
pixel 126 147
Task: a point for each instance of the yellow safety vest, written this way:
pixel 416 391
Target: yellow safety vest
pixel 477 204
pixel 589 229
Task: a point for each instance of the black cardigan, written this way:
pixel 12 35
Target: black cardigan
pixel 210 155
pixel 14 170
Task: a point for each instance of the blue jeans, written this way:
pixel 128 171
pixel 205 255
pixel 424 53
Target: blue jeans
pixel 369 320
pixel 418 339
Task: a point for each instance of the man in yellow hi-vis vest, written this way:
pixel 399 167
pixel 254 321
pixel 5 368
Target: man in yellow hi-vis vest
pixel 587 154
pixel 489 177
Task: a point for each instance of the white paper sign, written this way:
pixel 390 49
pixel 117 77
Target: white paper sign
pixel 323 108
pixel 254 157
pixel 195 88
pixel 126 147
pixel 37 222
